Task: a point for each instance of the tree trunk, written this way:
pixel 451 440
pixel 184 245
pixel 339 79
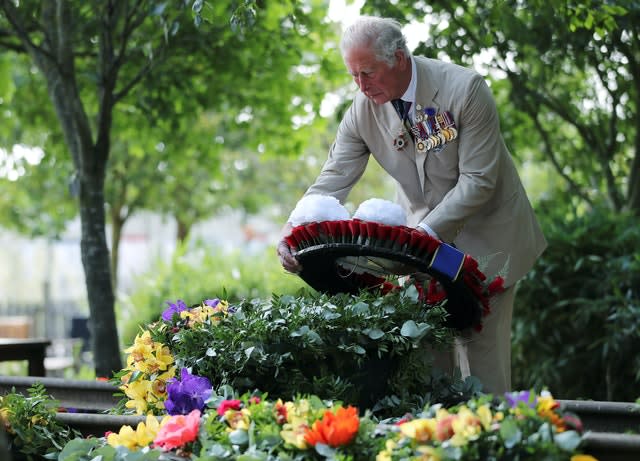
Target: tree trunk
pixel 116 233
pixel 183 231
pixel 97 269
pixel 633 201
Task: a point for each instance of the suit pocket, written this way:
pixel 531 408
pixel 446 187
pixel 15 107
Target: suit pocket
pixel 441 167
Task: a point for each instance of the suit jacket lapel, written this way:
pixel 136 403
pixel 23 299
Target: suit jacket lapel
pixel 426 92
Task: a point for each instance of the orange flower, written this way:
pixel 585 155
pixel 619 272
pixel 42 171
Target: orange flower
pixel 334 429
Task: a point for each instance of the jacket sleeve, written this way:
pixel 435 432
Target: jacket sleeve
pixel 346 163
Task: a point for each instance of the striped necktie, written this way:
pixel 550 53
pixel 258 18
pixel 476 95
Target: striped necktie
pixel 402 109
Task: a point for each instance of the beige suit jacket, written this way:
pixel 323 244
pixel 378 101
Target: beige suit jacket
pixel 469 192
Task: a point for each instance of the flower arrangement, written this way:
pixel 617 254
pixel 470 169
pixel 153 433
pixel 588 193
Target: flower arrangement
pixel 315 344
pixel 523 426
pixel 375 250
pixel 284 380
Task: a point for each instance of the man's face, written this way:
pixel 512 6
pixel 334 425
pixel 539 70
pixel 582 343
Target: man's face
pixel 376 79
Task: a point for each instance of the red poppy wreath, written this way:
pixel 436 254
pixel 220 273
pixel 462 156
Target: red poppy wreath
pixel 375 250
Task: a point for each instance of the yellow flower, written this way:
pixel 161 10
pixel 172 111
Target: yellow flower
pixel 202 313
pixel 546 408
pixel 296 425
pixel 466 427
pixel 385 455
pixel 141 437
pixel 4 413
pixel 293 434
pixel 298 413
pixel 428 453
pixel 546 404
pixel 484 414
pixel 238 419
pixel 138 392
pixel 141 349
pixel 583 458
pixel 421 430
pixel 126 438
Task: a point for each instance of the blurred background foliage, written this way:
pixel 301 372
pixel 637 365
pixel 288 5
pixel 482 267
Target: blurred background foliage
pixel 576 326
pixel 199 273
pixel 219 128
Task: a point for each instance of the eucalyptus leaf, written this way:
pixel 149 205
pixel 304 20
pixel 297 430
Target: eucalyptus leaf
pixel 328 315
pixel 413 330
pixel 360 308
pixel 510 433
pixel 249 351
pixel 375 333
pixel 568 440
pixel 325 450
pixel 314 337
pixel 239 437
pixel 303 330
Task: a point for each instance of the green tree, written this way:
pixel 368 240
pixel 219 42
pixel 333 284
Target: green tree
pixel 33 200
pixel 109 64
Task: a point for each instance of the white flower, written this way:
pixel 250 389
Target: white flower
pixel 381 211
pixel 315 208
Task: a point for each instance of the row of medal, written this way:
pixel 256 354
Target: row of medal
pixel 433 130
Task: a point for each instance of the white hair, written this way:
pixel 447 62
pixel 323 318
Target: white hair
pixel 383 35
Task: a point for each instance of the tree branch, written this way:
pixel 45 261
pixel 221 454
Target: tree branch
pixel 22 31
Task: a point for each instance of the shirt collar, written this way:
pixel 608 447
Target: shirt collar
pixel 410 94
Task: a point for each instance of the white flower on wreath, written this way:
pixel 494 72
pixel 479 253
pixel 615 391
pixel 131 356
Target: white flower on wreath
pixel 381 211
pixel 316 208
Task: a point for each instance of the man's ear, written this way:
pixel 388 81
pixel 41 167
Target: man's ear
pixel 401 59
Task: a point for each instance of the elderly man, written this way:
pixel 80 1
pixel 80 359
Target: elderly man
pixel 433 126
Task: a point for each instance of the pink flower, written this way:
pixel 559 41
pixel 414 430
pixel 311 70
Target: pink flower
pixel 228 405
pixel 178 431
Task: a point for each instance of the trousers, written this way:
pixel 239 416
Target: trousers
pixel 485 354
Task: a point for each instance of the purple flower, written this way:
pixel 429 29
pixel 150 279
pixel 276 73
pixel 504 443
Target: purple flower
pixel 526 397
pixel 212 302
pixel 189 393
pixel 176 308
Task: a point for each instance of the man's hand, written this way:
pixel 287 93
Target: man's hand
pixel 288 261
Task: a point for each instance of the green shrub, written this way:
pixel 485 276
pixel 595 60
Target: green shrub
pixel 32 428
pixel 576 322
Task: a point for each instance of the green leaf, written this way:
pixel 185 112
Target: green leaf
pixel 238 437
pixel 375 333
pixel 412 330
pixel 568 440
pixel 360 308
pixel 303 330
pixel 510 433
pixel 77 449
pixel 325 450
